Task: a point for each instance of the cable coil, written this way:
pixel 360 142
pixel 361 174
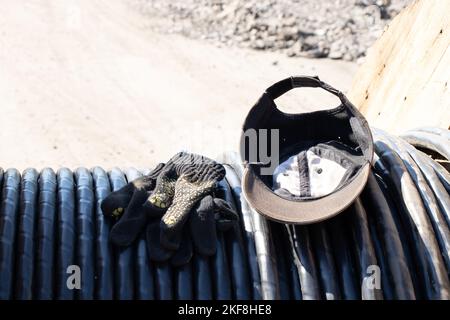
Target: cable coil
pixel 392 243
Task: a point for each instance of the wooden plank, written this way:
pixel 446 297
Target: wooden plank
pixel 403 83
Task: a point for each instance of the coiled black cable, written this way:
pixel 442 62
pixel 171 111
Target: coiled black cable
pixel 25 235
pixel 65 232
pixel 49 222
pixel 104 266
pixel 45 235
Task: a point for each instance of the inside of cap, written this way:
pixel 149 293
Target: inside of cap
pixel 315 172
pixel 320 152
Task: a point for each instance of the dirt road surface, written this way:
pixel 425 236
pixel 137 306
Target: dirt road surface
pixel 86 82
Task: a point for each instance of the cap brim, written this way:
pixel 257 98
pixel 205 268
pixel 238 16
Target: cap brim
pixel 271 205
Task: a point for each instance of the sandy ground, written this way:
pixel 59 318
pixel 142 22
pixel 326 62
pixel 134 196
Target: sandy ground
pixel 85 83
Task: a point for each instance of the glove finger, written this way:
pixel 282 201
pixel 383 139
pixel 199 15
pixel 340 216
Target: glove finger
pixel 161 197
pixel 170 239
pixel 154 249
pixel 133 221
pixel 225 216
pixel 203 227
pixel 187 194
pixel 115 203
pixel 184 254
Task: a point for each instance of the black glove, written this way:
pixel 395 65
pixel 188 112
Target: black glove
pixel 209 215
pixel 163 201
pixel 183 193
pixel 126 204
pixel 185 180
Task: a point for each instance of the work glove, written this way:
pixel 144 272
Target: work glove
pixel 184 193
pixel 199 232
pixel 184 181
pixel 126 206
pixel 210 213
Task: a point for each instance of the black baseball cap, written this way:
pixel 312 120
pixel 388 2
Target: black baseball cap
pixel 324 157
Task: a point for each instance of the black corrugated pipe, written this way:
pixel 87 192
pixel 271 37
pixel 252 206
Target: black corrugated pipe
pixel 393 242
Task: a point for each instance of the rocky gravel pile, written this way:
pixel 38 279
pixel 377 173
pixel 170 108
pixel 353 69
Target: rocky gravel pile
pixel 338 29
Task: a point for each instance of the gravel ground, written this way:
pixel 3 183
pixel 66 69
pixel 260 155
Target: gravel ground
pixel 338 29
pixel 85 83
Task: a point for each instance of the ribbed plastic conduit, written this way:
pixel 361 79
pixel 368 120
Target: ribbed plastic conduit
pixel 25 235
pixel 9 208
pixel 65 232
pixel 400 223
